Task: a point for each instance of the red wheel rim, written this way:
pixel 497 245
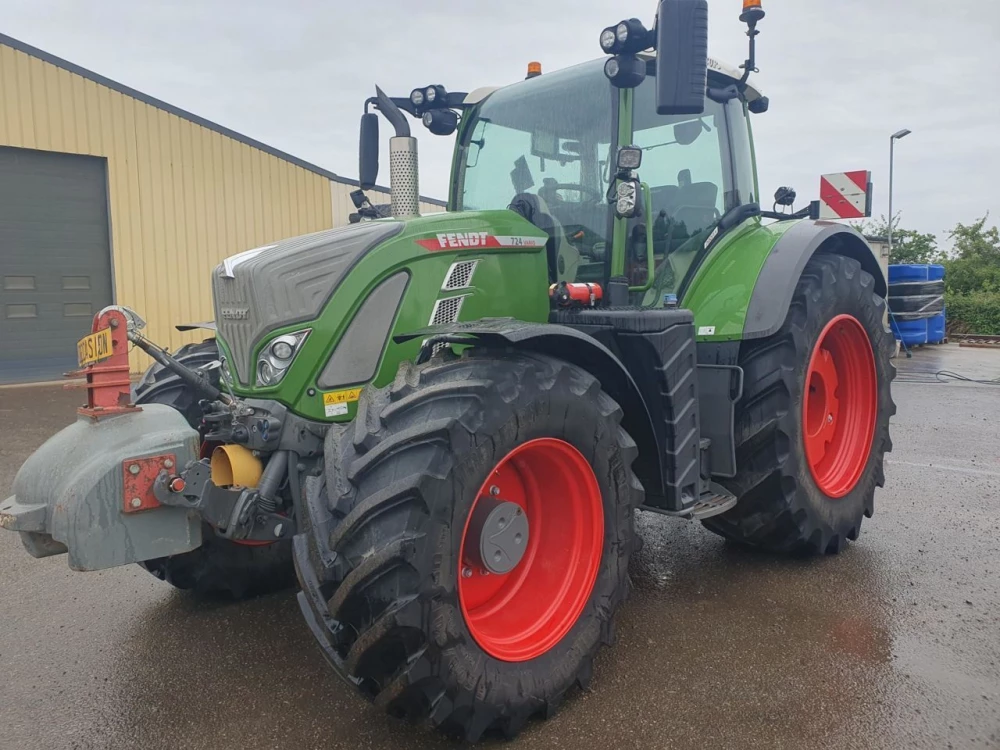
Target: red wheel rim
pixel 522 614
pixel 840 404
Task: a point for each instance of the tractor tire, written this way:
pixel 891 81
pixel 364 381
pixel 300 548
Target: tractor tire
pixel 812 428
pixel 909 288
pixel 160 386
pixel 219 567
pixel 392 587
pixel 926 304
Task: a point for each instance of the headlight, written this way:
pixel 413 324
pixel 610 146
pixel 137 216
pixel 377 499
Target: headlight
pixel 417 97
pixel 626 194
pixel 621 32
pixel 611 67
pixel 265 373
pixel 282 349
pixel 430 94
pixel 276 357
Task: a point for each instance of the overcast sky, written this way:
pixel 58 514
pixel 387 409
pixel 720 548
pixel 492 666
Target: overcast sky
pixel 842 75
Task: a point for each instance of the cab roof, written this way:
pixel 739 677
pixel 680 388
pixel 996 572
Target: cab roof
pixel 714 66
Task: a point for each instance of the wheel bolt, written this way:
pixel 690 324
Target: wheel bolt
pixel 829 419
pixel 494 490
pixel 168 464
pixel 136 502
pixel 466 572
pixel 133 469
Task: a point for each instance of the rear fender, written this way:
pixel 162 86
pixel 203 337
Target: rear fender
pixel 772 294
pixel 744 286
pixel 70 495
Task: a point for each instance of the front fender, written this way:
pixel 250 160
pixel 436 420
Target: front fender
pixel 581 349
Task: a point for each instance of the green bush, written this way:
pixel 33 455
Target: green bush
pixel 975 312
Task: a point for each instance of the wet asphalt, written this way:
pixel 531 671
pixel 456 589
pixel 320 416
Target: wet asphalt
pixel 895 643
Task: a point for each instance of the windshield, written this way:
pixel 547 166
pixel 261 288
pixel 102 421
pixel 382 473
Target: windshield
pixel 547 140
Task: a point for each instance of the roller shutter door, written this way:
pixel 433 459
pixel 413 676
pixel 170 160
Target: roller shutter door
pixel 55 259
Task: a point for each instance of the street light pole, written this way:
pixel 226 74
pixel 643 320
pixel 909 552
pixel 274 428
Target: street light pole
pixel 892 143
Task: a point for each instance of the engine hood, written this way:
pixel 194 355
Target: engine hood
pixel 291 281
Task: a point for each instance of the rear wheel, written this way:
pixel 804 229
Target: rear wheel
pixel 812 428
pixel 219 567
pixel 466 552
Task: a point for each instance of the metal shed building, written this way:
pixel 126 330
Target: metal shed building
pixel 109 196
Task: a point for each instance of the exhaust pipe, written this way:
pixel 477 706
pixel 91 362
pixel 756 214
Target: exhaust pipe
pixel 403 166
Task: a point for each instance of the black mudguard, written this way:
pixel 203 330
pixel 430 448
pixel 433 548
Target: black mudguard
pixel 772 294
pixel 667 466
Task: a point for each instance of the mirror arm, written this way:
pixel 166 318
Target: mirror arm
pixel 392 113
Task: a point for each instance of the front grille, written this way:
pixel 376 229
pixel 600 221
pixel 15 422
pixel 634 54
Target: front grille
pixel 289 282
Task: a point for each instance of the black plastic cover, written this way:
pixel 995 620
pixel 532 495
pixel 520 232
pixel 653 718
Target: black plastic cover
pixel 657 347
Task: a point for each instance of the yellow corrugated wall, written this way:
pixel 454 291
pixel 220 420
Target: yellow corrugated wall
pixel 182 196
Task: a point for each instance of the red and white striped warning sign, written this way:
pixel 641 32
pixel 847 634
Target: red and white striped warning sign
pixel 845 195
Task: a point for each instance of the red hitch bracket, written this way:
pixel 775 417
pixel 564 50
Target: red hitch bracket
pixel 139 474
pixel 109 390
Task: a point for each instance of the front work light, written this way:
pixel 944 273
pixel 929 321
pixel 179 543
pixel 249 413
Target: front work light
pixel 629 157
pixel 628 36
pixel 609 40
pixel 417 97
pixel 440 121
pixel 625 71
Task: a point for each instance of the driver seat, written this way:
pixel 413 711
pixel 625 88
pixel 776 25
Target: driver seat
pixel 564 259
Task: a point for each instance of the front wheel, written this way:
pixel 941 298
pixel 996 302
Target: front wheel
pixel 812 428
pixel 465 555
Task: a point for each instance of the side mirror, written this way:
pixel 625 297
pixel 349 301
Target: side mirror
pixel 686 133
pixel 368 151
pixel 681 56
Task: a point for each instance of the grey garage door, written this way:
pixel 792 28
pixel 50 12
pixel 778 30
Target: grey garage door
pixel 55 259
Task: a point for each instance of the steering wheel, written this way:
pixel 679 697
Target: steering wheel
pixel 549 191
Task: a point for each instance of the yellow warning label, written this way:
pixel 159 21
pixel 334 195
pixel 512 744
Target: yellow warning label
pixel 341 397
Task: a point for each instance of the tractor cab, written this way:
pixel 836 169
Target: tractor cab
pixel 547 148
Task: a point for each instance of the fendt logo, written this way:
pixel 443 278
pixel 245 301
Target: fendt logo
pixel 462 239
pixel 459 240
pixel 235 313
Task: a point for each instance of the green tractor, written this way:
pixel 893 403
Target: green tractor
pixel 444 424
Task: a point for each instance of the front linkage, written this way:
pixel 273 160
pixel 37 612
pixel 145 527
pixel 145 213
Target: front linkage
pixel 145 469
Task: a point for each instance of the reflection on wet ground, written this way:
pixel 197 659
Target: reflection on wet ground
pixel 895 643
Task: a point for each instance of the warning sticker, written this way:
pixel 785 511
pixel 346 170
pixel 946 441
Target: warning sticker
pixel 335 403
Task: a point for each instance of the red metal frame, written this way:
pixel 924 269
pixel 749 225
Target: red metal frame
pixel 109 390
pixel 139 474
